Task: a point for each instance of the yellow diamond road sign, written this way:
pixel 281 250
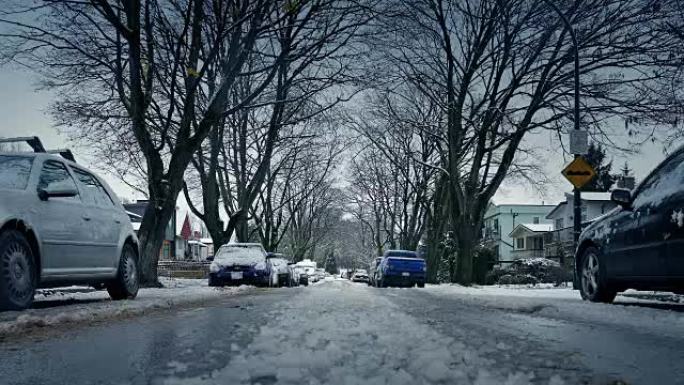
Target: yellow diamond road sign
pixel 579 172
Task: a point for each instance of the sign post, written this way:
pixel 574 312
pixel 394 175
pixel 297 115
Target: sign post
pixel 579 172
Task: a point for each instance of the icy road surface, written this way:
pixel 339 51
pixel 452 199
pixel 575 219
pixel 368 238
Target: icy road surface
pixel 337 332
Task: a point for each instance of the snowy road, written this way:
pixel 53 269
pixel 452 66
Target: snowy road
pixel 338 332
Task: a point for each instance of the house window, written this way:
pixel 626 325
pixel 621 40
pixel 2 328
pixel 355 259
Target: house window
pixel 520 243
pixel 496 224
pixel 535 220
pixel 559 223
pixel 584 213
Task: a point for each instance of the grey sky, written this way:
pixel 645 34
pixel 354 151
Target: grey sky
pixel 24 112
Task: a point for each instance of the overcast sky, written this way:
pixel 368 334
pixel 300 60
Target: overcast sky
pixel 23 111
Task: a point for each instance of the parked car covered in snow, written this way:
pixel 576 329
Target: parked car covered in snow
pixel 373 272
pixel 640 243
pixel 401 268
pixel 308 268
pixel 60 224
pixel 279 270
pixel 239 263
pixel 294 276
pixel 360 276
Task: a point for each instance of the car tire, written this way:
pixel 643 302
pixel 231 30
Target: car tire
pixel 421 284
pixel 127 281
pixel 594 285
pixel 214 282
pixel 18 278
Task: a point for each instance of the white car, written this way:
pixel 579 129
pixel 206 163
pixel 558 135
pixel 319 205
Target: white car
pixel 60 225
pixel 280 272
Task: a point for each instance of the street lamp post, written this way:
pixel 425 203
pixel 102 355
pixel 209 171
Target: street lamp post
pixel 577 222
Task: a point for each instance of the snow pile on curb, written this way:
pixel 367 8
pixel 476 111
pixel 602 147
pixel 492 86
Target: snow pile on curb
pixel 83 305
pixel 372 342
pixel 644 315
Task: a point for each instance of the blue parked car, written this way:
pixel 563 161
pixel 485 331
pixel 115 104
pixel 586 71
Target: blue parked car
pixel 401 268
pixel 239 263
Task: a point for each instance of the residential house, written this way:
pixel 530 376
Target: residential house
pixel 136 210
pixel 528 240
pixel 559 242
pixel 501 220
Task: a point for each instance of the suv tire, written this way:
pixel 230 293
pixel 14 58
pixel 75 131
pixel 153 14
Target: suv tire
pixel 17 271
pixel 594 286
pixel 127 281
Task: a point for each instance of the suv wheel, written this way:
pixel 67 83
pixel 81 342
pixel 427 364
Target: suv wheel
pixel 593 283
pixel 127 282
pixel 17 271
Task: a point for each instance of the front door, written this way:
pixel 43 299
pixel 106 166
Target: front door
pixel 60 224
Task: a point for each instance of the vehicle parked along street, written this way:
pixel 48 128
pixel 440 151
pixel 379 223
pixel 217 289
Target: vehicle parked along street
pixel 401 268
pixel 639 244
pixel 279 270
pixel 360 276
pixel 239 263
pixel 60 225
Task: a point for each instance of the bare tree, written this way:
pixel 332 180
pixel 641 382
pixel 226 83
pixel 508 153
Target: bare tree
pixel 132 75
pixel 502 69
pixel 316 43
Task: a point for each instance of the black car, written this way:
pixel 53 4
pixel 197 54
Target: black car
pixel 640 244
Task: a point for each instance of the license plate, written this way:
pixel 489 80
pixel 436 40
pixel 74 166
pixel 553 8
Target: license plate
pixel 405 274
pixel 236 275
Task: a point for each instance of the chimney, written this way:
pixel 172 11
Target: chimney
pixel 627 182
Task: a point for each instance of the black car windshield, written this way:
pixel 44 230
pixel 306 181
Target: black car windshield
pixel 15 171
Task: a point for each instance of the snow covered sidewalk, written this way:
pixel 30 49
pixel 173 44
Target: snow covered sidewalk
pixel 344 333
pixel 70 305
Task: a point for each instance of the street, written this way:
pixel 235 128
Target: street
pixel 338 332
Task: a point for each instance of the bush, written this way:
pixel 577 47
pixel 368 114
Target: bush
pixel 518 279
pixel 529 271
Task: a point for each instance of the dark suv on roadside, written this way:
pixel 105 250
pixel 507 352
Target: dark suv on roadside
pixel 639 244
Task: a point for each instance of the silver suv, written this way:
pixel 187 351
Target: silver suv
pixel 61 225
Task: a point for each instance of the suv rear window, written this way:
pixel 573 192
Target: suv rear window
pixel 15 171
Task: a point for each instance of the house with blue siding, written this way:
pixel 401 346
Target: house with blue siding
pixel 500 220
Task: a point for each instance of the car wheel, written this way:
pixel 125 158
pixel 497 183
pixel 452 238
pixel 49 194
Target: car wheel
pixel 421 284
pixel 593 283
pixel 214 282
pixel 127 281
pixel 17 271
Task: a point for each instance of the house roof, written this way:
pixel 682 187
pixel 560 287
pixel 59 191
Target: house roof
pixel 558 207
pixel 531 228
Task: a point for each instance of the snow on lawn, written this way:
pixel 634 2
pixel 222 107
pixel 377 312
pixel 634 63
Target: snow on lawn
pixel 638 310
pixel 78 304
pixel 308 340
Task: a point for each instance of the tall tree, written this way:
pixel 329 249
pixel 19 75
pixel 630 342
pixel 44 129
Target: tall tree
pixel 502 69
pixel 316 40
pixel 130 76
pixel 604 180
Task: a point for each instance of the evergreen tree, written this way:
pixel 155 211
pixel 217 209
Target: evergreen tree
pixel 331 263
pixel 596 157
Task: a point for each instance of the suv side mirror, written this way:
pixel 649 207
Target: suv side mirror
pixel 45 194
pixel 623 197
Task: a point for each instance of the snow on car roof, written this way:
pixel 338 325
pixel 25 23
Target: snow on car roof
pixel 595 196
pixel 240 253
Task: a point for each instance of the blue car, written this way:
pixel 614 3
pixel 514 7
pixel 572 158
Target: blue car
pixel 238 264
pixel 401 268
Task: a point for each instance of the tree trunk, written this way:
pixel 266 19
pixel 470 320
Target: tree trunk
pixel 465 240
pixel 151 237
